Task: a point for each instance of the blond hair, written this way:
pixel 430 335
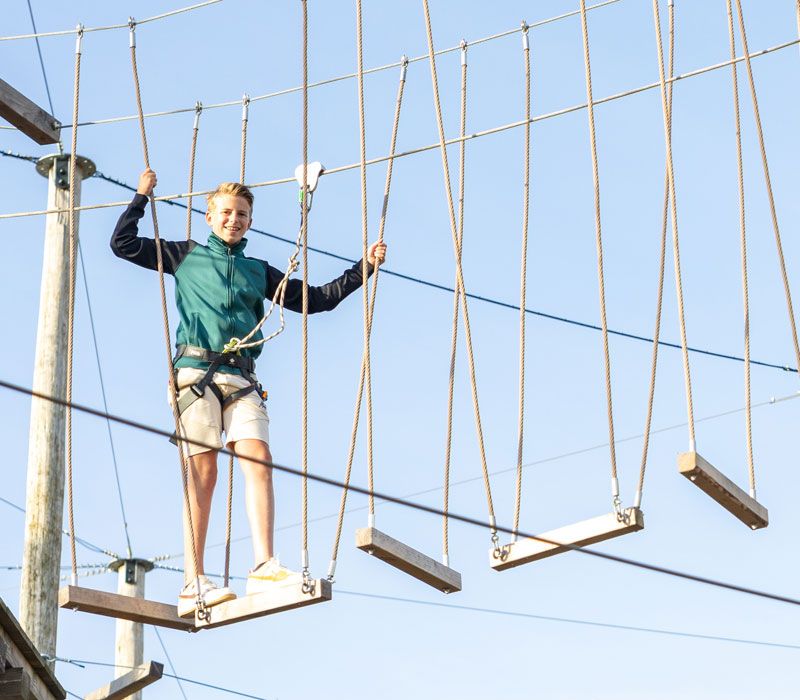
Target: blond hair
pixel 235 189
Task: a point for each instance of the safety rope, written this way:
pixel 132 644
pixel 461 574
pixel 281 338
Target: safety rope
pixel 308 586
pixel 600 273
pixel 374 293
pixel 523 272
pixel 245 116
pixel 73 248
pixel 665 108
pixel 367 363
pixel 743 236
pixel 456 307
pixel 768 183
pixel 637 501
pixel 198 110
pixel 460 279
pixel 173 389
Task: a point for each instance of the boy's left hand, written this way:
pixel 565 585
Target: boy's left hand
pixel 376 254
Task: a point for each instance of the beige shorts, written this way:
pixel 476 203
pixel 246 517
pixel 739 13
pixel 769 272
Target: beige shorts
pixel 205 421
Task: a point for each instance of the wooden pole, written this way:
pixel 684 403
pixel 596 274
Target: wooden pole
pixel 45 485
pixel 129 650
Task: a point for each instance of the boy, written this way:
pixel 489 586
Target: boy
pixel 220 295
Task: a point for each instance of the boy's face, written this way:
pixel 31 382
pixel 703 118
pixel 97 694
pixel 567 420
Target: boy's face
pixel 229 217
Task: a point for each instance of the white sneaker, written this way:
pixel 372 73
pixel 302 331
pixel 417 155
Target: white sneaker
pixel 266 575
pixel 210 592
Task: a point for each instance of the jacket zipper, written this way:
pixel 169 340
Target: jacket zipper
pixel 230 293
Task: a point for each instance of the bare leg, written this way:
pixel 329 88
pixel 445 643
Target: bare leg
pixel 202 480
pixel 259 495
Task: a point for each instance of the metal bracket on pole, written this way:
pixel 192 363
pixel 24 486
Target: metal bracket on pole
pixel 60 161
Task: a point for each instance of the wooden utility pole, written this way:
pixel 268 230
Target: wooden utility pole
pixel 129 651
pixel 45 486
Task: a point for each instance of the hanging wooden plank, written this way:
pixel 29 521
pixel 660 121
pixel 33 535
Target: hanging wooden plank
pixel 279 599
pixel 122 607
pixel 130 683
pixel 582 534
pixel 713 482
pixel 408 560
pixel 27 116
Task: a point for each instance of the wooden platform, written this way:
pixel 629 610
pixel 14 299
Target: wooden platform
pixel 408 560
pixel 130 683
pixel 122 607
pixel 582 534
pixel 280 599
pixel 723 490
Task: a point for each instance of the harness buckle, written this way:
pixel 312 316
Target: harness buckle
pixel 198 391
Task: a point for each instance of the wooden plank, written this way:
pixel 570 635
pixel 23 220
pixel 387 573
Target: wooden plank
pixel 128 684
pixel 280 599
pixel 15 684
pixel 27 116
pixel 713 482
pixel 122 607
pixel 20 652
pixel 408 560
pixel 582 534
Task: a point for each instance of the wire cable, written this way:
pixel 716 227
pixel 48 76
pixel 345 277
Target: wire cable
pixel 169 661
pixel 79 540
pixel 572 621
pixel 467 520
pixel 66 32
pixel 444 288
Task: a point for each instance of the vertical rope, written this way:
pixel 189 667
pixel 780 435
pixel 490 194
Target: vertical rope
pixel 73 247
pixel 173 390
pixel 364 270
pixel 304 237
pixel 460 276
pixel 743 237
pixel 523 272
pixel 599 243
pixel 245 117
pixel 198 109
pixel 665 108
pixel 456 307
pixel 360 393
pixel 768 183
pixel 637 502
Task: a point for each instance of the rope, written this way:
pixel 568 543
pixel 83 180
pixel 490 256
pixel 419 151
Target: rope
pixel 637 502
pixel 245 113
pixel 366 360
pixel 73 247
pixel 304 236
pixel 173 389
pixel 675 243
pixel 421 149
pixel 743 236
pixel 64 32
pixel 198 110
pixel 459 275
pixel 768 183
pixel 456 304
pixel 523 272
pixel 600 274
pixel 426 509
pixel 357 413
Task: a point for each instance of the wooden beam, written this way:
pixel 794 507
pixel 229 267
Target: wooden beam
pixel 280 599
pixel 408 560
pixel 723 490
pixel 15 684
pixel 131 682
pixel 122 607
pixel 27 116
pixel 582 534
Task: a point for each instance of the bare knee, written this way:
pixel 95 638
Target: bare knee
pixel 204 469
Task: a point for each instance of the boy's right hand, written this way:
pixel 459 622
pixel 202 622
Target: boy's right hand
pixel 147 182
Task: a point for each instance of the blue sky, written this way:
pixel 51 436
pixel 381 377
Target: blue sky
pixel 361 646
